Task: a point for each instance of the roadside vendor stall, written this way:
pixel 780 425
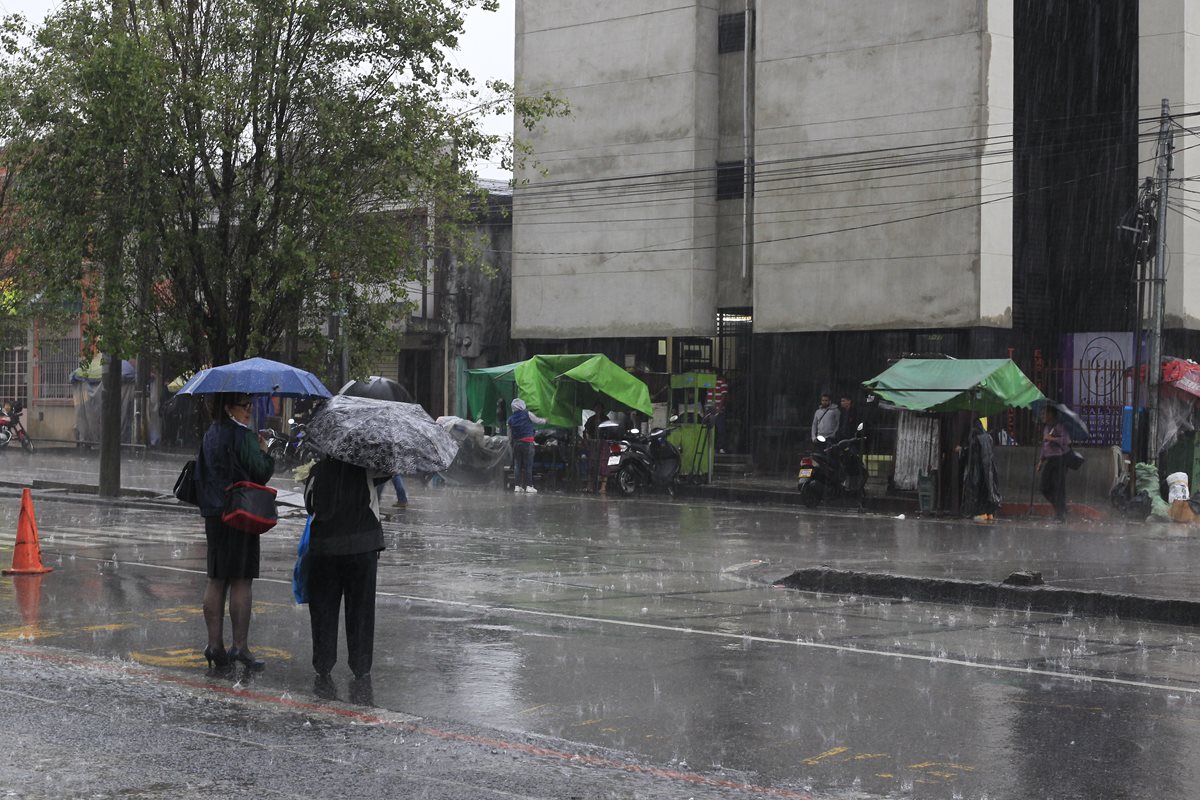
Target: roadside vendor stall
pixel 558 388
pixel 921 387
pixel 692 400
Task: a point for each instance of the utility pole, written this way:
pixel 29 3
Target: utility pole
pixel 1166 143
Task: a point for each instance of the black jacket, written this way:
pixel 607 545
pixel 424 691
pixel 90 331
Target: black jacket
pixel 228 453
pixel 342 500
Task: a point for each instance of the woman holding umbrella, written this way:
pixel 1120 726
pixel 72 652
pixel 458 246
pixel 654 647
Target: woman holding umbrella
pixel 230 452
pixel 1056 443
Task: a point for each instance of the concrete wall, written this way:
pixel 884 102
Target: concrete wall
pixel 614 226
pixel 869 113
pixel 1169 67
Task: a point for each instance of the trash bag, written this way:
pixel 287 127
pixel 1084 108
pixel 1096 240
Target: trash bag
pixel 1147 481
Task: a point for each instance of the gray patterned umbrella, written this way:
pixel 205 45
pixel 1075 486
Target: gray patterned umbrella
pixel 381 435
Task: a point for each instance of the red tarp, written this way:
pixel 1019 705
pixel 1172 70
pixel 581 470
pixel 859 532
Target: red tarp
pixel 1183 375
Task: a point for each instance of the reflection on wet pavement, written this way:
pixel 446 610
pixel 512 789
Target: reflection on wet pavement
pixel 650 627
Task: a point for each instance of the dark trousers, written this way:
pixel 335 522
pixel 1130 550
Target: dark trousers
pixel 523 463
pixel 331 578
pixel 1054 484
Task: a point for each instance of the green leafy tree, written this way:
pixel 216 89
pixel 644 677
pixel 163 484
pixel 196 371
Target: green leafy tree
pixel 222 176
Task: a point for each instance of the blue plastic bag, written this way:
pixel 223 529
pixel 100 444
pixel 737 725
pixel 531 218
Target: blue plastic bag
pixel 300 571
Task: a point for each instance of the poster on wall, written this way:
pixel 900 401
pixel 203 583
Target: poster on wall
pixel 1098 367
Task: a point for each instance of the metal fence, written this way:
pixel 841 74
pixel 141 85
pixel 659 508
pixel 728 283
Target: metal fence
pixel 1097 393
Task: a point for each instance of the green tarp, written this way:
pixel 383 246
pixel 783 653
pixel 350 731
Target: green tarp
pixel 557 388
pixel 984 385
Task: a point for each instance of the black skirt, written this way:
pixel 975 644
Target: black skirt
pixel 231 553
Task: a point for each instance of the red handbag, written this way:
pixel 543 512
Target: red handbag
pixel 250 507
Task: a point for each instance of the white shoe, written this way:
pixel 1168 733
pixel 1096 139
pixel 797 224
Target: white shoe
pixel 530 490
pixel 519 489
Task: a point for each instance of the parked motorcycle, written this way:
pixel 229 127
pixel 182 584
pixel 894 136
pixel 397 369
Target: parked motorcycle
pixel 835 470
pixel 642 460
pixel 289 450
pixel 12 428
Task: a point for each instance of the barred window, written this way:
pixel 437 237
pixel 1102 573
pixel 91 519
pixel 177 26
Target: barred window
pixel 731 33
pixel 57 359
pixel 731 180
pixel 14 374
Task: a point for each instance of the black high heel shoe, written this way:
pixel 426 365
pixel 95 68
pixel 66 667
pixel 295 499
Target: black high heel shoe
pixel 216 656
pixel 245 657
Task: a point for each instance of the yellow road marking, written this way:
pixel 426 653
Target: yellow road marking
pixel 112 626
pixel 837 751
pixel 884 775
pixel 947 765
pixel 27 632
pixel 865 756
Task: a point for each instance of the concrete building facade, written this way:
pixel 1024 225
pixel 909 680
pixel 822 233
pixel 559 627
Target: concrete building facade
pixel 924 176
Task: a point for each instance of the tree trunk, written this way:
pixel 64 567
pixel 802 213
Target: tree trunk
pixel 110 429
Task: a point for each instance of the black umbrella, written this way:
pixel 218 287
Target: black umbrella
pixel 1077 429
pixel 377 388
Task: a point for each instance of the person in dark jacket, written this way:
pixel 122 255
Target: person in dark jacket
pixel 981 492
pixel 230 452
pixel 520 433
pixel 344 544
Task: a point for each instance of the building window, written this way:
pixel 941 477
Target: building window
pixel 731 180
pixel 731 33
pixel 57 359
pixel 14 369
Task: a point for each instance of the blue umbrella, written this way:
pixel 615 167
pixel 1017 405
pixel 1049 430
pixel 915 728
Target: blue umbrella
pixel 256 376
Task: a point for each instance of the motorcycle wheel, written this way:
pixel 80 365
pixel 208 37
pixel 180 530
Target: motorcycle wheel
pixel 671 489
pixel 626 481
pixel 811 494
pixel 27 444
pixel 5 437
pixel 278 453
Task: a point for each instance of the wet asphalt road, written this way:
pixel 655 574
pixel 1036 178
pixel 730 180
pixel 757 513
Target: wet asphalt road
pixel 555 646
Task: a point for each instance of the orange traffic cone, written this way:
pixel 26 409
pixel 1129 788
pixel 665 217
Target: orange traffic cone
pixel 27 555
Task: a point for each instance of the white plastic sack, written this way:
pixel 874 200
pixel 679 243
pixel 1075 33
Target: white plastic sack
pixel 1177 487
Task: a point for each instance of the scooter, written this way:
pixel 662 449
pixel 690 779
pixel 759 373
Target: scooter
pixel 836 470
pixel 289 451
pixel 11 426
pixel 642 461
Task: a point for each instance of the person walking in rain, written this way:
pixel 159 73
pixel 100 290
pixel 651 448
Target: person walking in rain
pixel 1056 442
pixel 520 434
pixel 345 540
pixel 230 452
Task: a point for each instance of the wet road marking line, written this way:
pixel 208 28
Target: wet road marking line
pixel 755 638
pixel 817 759
pixel 410 725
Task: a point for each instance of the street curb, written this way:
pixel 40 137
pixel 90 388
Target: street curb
pixel 78 488
pixel 1051 599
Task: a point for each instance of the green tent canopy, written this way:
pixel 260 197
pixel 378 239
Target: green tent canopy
pixel 488 386
pixel 984 385
pixel 557 388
